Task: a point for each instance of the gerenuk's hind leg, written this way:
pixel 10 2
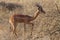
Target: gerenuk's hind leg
pixel 14 30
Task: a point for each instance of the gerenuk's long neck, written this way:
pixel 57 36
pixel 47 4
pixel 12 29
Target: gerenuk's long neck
pixel 37 13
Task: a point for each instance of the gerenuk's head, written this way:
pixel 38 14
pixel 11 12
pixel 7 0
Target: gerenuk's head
pixel 40 8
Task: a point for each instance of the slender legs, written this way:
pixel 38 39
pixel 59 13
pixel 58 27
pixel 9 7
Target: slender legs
pixel 14 25
pixel 13 28
pixel 24 27
pixel 14 31
pixel 24 30
pixel 31 27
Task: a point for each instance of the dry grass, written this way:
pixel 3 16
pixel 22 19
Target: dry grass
pixel 46 26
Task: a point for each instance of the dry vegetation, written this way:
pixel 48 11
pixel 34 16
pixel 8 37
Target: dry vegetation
pixel 46 26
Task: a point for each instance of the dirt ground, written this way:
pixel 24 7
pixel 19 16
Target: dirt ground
pixel 46 26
